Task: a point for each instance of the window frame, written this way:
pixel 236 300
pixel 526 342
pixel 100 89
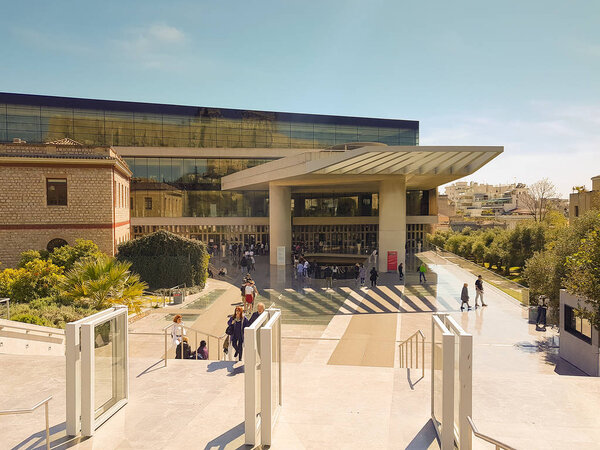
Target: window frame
pixel 50 180
pixel 571 318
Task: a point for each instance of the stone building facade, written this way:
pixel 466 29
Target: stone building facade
pixel 584 200
pixel 55 193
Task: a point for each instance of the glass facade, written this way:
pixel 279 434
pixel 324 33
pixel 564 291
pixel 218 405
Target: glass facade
pixel 355 239
pixel 37 119
pixel 191 187
pixel 334 205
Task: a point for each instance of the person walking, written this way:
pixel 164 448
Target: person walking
pixel 542 308
pixel 300 269
pixel 479 291
pixel 400 271
pixel 328 272
pixel 422 271
pixel 250 292
pixel 464 297
pixel 373 277
pixel 356 273
pixel 244 264
pixel 362 274
pixel 238 322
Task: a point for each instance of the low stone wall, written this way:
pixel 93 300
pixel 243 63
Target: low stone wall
pixel 18 338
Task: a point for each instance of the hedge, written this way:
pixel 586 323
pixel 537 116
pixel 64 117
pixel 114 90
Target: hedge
pixel 164 259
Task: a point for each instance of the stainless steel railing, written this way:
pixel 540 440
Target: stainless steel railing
pixel 30 410
pixel 499 445
pixel 408 356
pixel 7 301
pixel 183 331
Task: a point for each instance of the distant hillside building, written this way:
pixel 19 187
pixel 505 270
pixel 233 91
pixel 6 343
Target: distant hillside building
pixel 52 194
pixel 484 200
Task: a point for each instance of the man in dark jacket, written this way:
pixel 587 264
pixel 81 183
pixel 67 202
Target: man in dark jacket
pixel 464 297
pixel 260 308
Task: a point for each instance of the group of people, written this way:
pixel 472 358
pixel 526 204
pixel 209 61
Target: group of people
pixel 183 350
pixel 237 250
pixel 464 295
pixel 247 263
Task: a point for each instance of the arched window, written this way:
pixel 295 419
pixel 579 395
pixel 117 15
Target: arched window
pixel 56 243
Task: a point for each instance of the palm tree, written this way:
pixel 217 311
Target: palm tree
pixel 103 281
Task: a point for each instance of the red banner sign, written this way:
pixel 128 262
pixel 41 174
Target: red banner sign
pixel 392 261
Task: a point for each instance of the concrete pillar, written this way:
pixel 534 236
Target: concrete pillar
pixel 392 220
pixel 280 221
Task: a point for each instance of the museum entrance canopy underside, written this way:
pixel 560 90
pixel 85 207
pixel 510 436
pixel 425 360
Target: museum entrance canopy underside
pixel 390 171
pixel 420 167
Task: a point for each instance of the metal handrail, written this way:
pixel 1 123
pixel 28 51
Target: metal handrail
pixel 183 328
pixel 406 359
pixel 30 410
pixel 7 301
pixel 499 445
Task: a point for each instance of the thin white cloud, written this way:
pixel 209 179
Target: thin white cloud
pixel 155 46
pixel 166 33
pixel 52 42
pixel 559 142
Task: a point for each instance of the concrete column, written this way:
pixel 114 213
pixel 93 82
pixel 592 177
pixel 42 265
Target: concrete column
pixel 392 220
pixel 280 221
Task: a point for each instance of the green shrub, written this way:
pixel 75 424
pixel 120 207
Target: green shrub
pixel 28 256
pixel 46 312
pixel 164 259
pixel 32 319
pixel 67 255
pixel 38 278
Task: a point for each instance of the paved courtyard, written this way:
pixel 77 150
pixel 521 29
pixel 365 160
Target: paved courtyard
pixel 343 387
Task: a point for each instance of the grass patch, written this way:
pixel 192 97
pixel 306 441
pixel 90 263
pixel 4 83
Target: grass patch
pixel 206 300
pixel 184 317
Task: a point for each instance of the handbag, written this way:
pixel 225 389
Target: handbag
pixel 229 330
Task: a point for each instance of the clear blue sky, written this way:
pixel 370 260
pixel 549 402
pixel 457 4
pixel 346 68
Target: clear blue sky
pixel 523 74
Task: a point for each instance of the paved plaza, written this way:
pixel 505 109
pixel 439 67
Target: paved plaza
pixel 343 387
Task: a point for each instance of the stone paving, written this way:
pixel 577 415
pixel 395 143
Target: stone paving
pixel 343 387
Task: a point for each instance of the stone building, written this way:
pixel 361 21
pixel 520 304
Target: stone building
pixel 584 200
pixel 52 194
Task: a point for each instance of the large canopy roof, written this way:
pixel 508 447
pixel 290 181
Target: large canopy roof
pixel 423 167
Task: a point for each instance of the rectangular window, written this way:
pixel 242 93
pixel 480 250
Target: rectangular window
pixel 576 211
pixel 56 191
pixel 577 325
pixel 148 203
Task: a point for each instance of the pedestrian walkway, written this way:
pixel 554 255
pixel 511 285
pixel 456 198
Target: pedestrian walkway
pixel 342 384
